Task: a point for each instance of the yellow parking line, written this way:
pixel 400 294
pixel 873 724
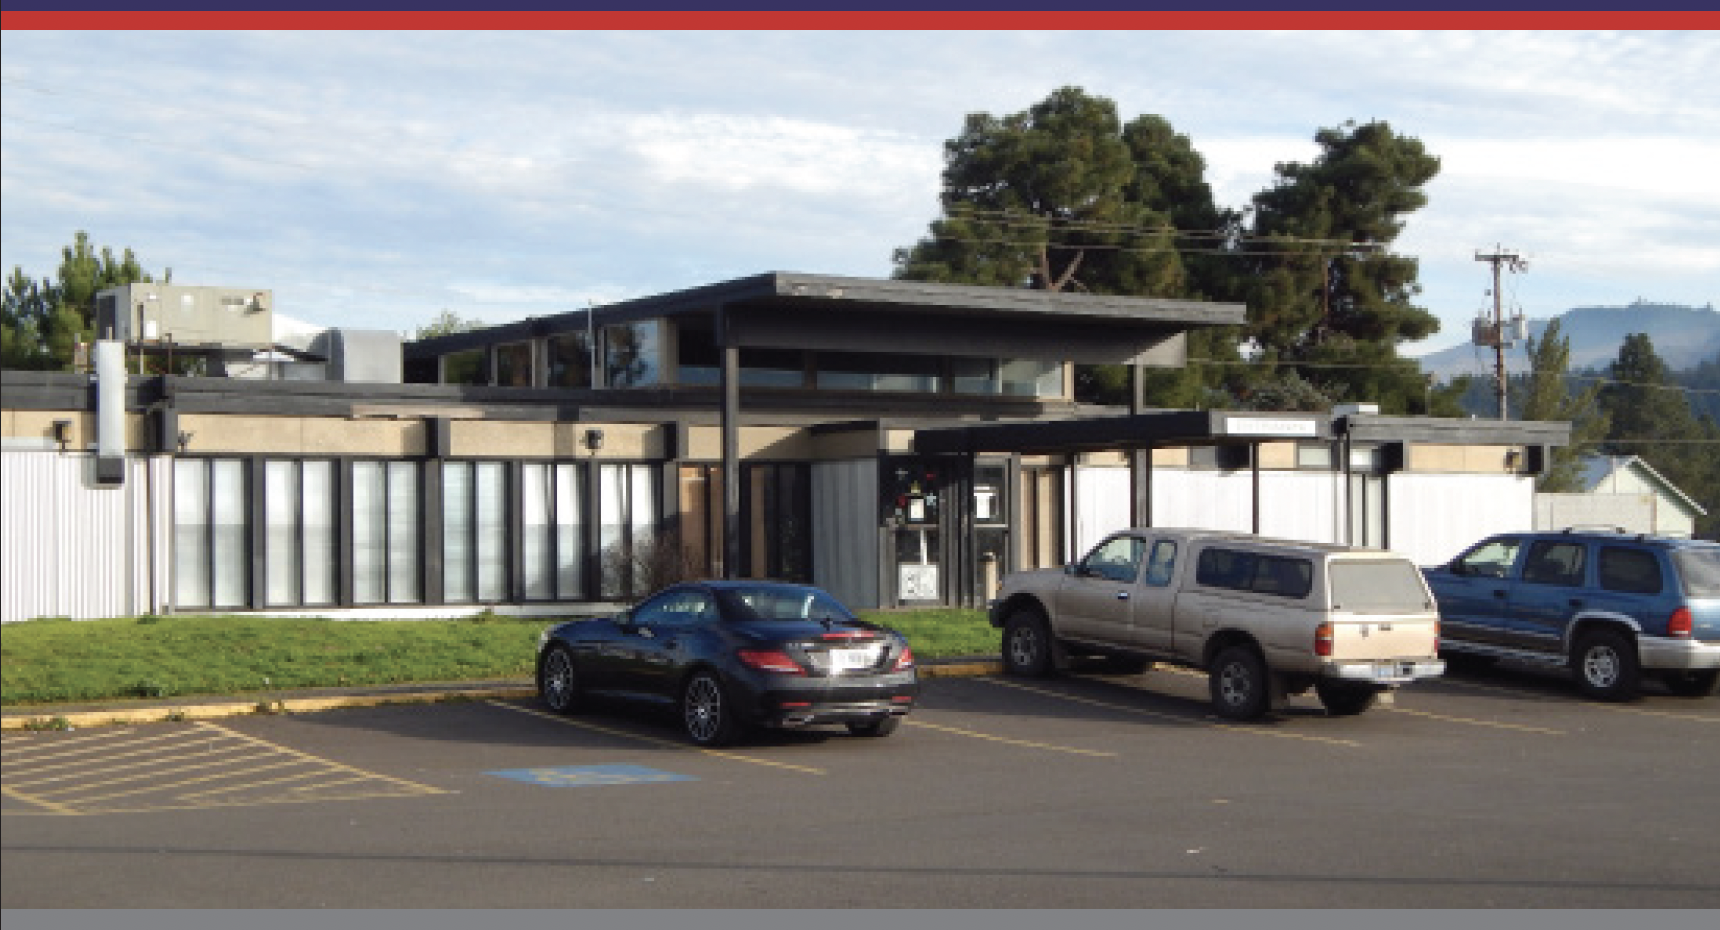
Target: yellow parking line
pixel 1623 709
pixel 1472 722
pixel 1658 713
pixel 285 750
pixel 1174 717
pixel 1004 739
pixel 52 807
pixel 721 754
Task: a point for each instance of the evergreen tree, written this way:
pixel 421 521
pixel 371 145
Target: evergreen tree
pixel 42 322
pixel 1650 418
pixel 1546 395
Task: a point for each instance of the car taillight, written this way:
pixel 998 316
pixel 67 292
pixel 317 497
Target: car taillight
pixel 770 660
pixel 1323 639
pixel 1679 624
pixel 904 661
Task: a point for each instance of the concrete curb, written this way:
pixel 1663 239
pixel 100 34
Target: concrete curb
pixel 63 718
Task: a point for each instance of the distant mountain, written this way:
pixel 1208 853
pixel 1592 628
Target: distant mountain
pixel 1683 337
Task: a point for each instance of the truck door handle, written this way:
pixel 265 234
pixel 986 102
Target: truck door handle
pixel 1122 595
pixel 1499 592
pixel 1576 602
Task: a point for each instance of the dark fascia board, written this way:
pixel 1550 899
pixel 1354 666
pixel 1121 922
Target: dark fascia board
pixel 1135 431
pixel 1456 432
pixel 809 292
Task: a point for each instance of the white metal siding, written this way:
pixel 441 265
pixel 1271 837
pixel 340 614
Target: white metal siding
pixel 845 531
pixel 1434 517
pixel 71 549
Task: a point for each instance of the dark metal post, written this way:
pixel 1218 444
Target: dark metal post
pixel 731 380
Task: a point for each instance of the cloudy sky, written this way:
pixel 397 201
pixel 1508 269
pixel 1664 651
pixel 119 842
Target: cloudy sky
pixel 373 179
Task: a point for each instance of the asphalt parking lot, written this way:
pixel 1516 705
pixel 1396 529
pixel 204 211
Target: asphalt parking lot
pixel 1495 789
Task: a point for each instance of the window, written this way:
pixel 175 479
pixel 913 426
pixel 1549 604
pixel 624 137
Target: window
pixel 1491 559
pixel 1117 559
pixel 627 523
pixel 385 533
pixel 1283 576
pixel 1009 377
pixel 474 532
pixel 630 355
pixel 1161 563
pixel 779 602
pixel 1554 562
pixel 1700 569
pixel 299 548
pixel 867 371
pixel 569 360
pixel 469 367
pixel 1377 585
pixel 1631 571
pixel 552 546
pixel 514 364
pixel 211 530
pixel 676 609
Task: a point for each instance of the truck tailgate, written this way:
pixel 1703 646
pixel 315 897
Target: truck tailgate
pixel 1377 637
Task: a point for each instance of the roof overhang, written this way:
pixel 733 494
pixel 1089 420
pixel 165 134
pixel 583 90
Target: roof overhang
pixel 831 313
pixel 1134 431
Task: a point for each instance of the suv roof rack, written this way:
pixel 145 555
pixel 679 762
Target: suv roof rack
pixel 1579 528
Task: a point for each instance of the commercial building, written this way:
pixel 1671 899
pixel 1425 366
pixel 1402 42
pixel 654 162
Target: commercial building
pixel 895 442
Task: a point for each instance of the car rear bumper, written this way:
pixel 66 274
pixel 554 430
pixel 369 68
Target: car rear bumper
pixel 810 701
pixel 1661 653
pixel 1384 671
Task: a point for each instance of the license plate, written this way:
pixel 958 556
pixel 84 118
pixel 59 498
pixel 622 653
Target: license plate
pixel 845 659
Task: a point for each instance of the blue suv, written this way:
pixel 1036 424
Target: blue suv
pixel 1611 606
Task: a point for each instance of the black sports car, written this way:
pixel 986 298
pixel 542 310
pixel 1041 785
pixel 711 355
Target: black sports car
pixel 733 655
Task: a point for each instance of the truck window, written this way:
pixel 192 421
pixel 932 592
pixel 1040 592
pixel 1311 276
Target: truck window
pixel 1282 576
pixel 1225 568
pixel 1117 559
pixel 1376 585
pixel 1160 563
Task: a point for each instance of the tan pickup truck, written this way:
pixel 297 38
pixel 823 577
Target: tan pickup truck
pixel 1265 618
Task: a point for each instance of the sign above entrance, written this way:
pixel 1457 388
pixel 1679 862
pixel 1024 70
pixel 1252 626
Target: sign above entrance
pixel 1271 426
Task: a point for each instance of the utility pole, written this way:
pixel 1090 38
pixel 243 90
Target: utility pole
pixel 1495 334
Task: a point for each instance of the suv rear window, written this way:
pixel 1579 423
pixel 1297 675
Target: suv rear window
pixel 1383 584
pixel 1700 569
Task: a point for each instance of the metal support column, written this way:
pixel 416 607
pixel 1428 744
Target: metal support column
pixel 731 382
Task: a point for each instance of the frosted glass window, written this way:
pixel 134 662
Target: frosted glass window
pixel 191 533
pixel 369 533
pixel 228 510
pixel 403 519
pixel 281 533
pixel 491 489
pixel 570 540
pixel 457 506
pixel 317 529
pixel 536 548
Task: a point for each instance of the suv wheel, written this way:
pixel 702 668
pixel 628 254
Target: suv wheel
pixel 1692 684
pixel 1606 666
pixel 1238 683
pixel 1027 644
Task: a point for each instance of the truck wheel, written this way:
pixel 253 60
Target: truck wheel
pixel 1346 700
pixel 1606 666
pixel 1027 644
pixel 1692 684
pixel 1240 690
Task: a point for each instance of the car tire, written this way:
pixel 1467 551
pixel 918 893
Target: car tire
pixel 1692 684
pixel 706 714
pixel 1027 644
pixel 1606 666
pixel 1239 684
pixel 883 726
pixel 1343 700
pixel 558 681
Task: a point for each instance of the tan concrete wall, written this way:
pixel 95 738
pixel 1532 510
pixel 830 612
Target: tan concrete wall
pixel 1479 460
pixel 39 424
pixel 306 436
pixel 505 439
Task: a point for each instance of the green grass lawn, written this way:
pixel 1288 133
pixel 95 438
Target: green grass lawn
pixel 58 661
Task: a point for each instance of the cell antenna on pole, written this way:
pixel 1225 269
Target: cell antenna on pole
pixel 1493 332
